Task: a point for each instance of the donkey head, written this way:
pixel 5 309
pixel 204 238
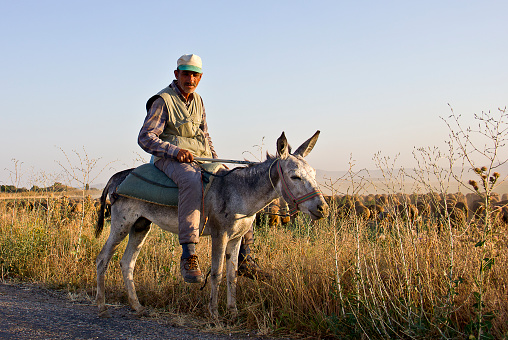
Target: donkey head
pixel 297 179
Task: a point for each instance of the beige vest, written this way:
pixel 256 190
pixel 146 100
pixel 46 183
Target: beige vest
pixel 183 126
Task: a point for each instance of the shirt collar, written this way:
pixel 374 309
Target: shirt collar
pixel 177 90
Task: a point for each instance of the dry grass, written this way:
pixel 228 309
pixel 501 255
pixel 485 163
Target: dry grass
pixel 330 280
pixel 339 278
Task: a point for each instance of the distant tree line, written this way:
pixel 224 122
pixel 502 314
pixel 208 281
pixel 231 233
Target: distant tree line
pixel 56 187
pixel 11 188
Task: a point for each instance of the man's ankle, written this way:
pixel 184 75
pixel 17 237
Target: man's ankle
pixel 244 252
pixel 188 249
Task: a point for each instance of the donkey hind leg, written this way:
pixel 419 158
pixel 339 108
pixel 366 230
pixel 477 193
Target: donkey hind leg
pixel 137 236
pixel 232 250
pixel 118 232
pixel 218 250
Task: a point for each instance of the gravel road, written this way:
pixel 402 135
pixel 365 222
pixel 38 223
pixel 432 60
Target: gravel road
pixel 30 311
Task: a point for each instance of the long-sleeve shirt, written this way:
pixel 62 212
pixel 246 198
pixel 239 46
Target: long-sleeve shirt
pixel 156 118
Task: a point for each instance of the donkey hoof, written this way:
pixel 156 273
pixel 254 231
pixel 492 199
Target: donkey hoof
pixel 214 313
pixel 233 313
pixel 143 312
pixel 104 314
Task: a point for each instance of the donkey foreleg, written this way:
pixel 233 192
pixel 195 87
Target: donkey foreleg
pixel 218 250
pixel 232 250
pixel 115 237
pixel 137 237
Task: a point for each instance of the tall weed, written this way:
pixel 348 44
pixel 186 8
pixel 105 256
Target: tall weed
pixel 343 277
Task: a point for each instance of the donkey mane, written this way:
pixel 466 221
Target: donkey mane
pixel 249 177
pixel 269 157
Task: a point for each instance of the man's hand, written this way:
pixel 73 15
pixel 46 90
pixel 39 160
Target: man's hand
pixel 184 156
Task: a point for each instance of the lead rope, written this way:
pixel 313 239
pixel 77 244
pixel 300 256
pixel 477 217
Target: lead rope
pixel 273 186
pixel 270 177
pixel 278 193
pixel 206 279
pixel 205 218
pixel 203 170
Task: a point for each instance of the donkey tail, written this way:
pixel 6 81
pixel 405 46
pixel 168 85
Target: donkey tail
pixel 113 182
pixel 100 218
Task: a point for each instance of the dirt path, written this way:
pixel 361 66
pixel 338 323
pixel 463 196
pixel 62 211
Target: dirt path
pixel 32 312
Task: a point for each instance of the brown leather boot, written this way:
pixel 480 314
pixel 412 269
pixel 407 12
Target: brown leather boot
pixel 189 267
pixel 249 268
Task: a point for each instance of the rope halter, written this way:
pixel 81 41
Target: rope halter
pixel 294 201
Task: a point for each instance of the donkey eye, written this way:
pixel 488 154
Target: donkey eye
pixel 296 177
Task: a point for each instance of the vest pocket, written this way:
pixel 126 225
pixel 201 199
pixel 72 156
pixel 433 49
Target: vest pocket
pixel 186 128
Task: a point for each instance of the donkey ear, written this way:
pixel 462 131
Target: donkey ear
pixel 307 147
pixel 282 146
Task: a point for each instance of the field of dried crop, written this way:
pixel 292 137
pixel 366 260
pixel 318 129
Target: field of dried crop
pixel 431 263
pixel 382 276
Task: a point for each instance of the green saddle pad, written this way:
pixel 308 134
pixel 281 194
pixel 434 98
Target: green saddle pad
pixel 147 183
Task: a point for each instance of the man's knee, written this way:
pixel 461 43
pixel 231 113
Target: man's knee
pixel 190 182
pixel 248 238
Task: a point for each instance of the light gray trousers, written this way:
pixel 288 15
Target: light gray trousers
pixel 187 177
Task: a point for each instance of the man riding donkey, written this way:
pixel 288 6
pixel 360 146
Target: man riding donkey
pixel 174 132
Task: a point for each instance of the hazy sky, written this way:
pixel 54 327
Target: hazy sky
pixel 371 75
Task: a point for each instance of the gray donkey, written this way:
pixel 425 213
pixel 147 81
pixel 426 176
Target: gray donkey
pixel 230 206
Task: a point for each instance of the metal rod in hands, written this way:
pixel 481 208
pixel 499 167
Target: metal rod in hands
pixel 220 160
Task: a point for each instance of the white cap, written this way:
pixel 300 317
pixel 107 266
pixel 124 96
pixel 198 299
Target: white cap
pixel 190 62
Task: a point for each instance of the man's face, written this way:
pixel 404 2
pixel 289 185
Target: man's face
pixel 187 80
